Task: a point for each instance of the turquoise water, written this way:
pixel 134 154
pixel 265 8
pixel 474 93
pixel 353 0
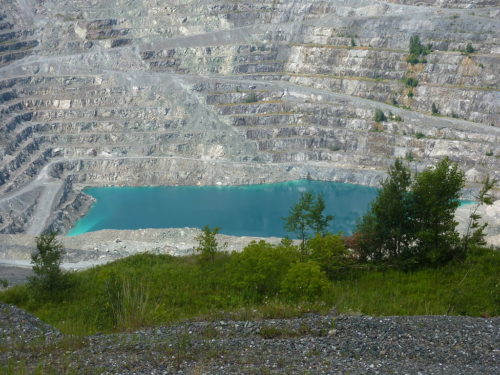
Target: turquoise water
pixel 252 210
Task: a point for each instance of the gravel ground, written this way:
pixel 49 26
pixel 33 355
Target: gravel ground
pixel 313 344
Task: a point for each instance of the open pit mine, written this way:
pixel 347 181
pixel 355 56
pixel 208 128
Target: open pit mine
pixel 223 92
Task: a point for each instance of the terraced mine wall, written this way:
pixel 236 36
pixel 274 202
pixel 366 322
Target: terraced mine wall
pixel 235 92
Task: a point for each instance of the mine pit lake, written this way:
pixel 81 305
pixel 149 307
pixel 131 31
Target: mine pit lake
pixel 249 210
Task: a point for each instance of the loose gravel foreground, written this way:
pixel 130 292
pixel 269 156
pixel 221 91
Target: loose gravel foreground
pixel 312 344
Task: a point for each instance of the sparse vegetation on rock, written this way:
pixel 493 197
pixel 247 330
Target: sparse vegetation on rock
pixel 379 116
pixel 418 51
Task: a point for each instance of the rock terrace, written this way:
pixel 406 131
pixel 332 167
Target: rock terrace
pixel 235 92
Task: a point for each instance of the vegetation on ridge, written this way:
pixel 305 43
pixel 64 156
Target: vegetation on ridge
pixel 405 259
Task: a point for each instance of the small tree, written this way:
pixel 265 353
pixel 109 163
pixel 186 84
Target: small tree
pixel 307 216
pixel 416 47
pixel 474 234
pixel 434 109
pixel 46 260
pixel 208 246
pixel 469 48
pixel 379 116
pixel 417 50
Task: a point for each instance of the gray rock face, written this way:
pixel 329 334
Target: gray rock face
pixel 219 92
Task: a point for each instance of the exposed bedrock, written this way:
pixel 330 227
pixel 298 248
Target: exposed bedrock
pixel 217 92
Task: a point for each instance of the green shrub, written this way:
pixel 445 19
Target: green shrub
pixel 379 116
pixel 417 51
pixel 419 135
pixel 434 109
pixel 329 252
pixel 258 270
pixel 469 48
pixel 410 81
pixel 304 281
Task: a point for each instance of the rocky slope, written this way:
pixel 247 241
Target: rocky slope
pixel 308 345
pixel 234 92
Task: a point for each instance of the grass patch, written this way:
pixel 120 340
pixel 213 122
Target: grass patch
pixel 147 290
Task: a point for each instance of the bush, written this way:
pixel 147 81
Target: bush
pixel 469 48
pixel 434 109
pixel 379 116
pixel 417 50
pixel 329 252
pixel 410 81
pixel 304 281
pixel 258 270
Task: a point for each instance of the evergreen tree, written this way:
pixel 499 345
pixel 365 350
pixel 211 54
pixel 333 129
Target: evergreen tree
pixel 474 236
pixel 436 194
pixel 386 229
pixel 411 223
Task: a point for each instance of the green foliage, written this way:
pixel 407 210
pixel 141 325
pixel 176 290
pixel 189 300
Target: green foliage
pixel 474 235
pixel 410 223
pixel 128 301
pixel 49 280
pixel 410 93
pixel 419 135
pixel 386 227
pixel 304 280
pixel 307 216
pixel 436 194
pixel 207 243
pixel 353 42
pixel 412 59
pixel 4 283
pixel 379 116
pixel 469 48
pixel 260 267
pixel 410 81
pixel 417 51
pixel 179 288
pixel 329 252
pixel 434 109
